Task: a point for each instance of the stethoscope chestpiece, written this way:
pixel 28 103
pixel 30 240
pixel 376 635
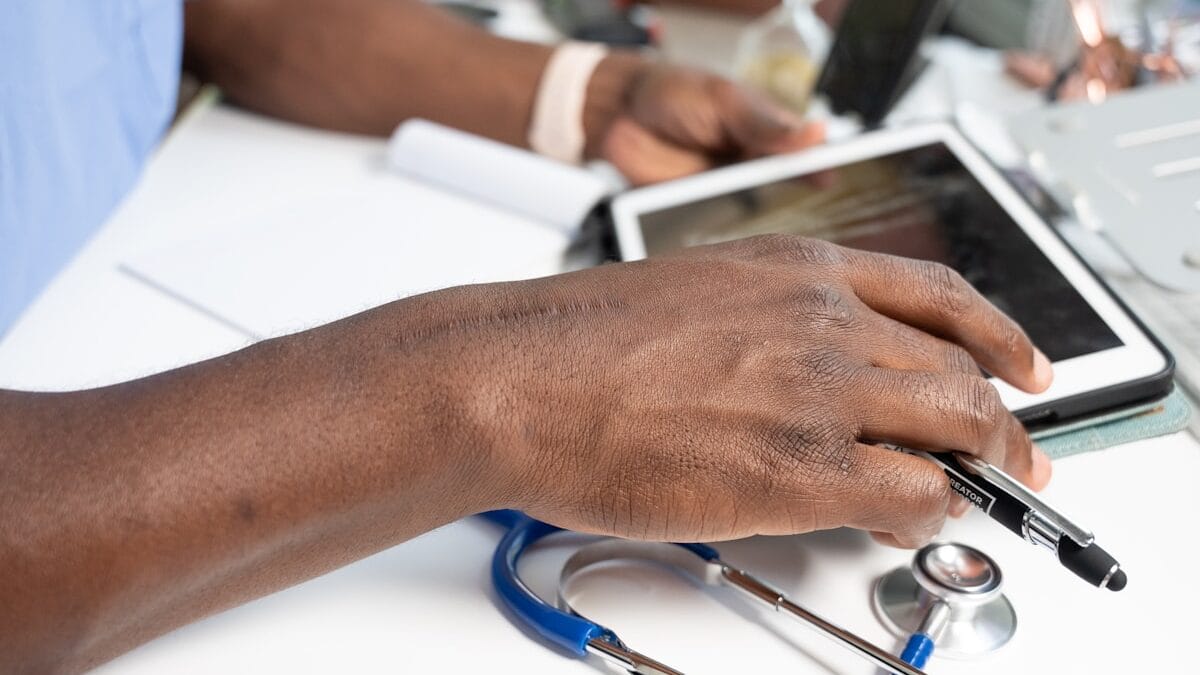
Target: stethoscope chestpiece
pixel 957 573
pixel 952 591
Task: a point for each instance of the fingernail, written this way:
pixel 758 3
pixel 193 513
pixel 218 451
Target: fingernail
pixel 958 507
pixel 1040 474
pixel 814 131
pixel 1043 372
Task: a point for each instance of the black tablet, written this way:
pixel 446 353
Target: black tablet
pixel 925 192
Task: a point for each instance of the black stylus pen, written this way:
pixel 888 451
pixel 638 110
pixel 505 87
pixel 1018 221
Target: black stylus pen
pixel 1016 507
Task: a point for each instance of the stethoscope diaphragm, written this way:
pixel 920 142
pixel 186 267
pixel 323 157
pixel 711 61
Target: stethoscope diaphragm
pixel 953 593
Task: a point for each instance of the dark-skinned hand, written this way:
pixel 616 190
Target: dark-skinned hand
pixel 739 389
pixel 663 122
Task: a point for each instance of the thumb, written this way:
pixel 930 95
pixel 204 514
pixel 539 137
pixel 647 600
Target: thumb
pixel 759 126
pixel 644 157
pixel 809 134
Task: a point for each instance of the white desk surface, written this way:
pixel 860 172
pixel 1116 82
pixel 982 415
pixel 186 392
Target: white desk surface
pixel 426 605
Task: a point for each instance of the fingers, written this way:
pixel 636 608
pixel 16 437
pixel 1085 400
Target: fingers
pixel 958 507
pixel 1042 469
pixel 898 346
pixel 811 133
pixel 681 121
pixel 901 497
pixel 926 295
pixel 889 539
pixel 934 298
pixel 759 126
pixel 946 411
pixel 1042 472
pixel 645 158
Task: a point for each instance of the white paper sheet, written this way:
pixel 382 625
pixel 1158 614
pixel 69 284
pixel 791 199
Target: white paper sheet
pixel 494 173
pixel 312 262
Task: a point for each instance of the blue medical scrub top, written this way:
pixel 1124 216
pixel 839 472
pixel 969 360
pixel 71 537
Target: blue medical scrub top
pixel 87 87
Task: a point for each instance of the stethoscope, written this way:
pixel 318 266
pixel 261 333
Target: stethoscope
pixel 951 595
pixel 562 625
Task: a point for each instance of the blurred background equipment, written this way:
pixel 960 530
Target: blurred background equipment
pixel 782 52
pixel 474 13
pixel 607 21
pixel 1129 170
pixel 876 55
pixel 1091 48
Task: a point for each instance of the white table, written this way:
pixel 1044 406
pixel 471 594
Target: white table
pixel 426 605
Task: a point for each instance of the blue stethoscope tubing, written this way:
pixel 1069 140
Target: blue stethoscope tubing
pixel 581 636
pixel 569 631
pixel 917 650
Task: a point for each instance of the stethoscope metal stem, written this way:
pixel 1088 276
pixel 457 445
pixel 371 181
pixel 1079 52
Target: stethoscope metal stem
pixel 949 599
pixel 565 627
pixel 763 592
pixel 620 655
pixel 709 570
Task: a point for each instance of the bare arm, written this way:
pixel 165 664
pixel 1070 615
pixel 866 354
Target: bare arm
pixel 136 508
pixel 715 394
pixel 367 65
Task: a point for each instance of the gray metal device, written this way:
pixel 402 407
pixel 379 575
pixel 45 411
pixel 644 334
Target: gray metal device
pixel 951 592
pixel 709 572
pixel 1130 169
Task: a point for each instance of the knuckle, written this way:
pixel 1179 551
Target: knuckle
pixel 1012 337
pixel 825 306
pixel 818 450
pixel 823 370
pixel 791 248
pixel 930 498
pixel 982 407
pixel 960 360
pixel 932 493
pixel 947 290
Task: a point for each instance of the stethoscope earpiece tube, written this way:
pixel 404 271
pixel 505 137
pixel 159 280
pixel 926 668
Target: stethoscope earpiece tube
pixel 919 647
pixel 917 650
pixel 566 628
pixel 569 632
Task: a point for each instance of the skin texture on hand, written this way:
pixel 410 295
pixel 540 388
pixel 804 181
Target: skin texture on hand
pixel 365 66
pixel 735 390
pixel 719 392
pixel 658 122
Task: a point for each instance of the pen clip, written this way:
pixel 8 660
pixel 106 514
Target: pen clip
pixel 1043 512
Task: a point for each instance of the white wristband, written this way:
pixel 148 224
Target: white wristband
pixel 556 129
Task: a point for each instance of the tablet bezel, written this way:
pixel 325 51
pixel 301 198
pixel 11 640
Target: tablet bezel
pixel 1138 359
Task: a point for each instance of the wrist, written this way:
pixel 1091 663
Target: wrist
pixel 457 395
pixel 608 95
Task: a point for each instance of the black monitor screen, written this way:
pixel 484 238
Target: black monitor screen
pixel 921 203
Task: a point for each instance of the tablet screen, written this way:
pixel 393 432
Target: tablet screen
pixel 921 203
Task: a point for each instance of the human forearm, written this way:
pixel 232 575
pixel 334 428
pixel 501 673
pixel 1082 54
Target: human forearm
pixel 130 510
pixel 717 393
pixel 365 65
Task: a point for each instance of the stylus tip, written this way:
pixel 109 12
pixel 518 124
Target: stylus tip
pixel 1117 582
